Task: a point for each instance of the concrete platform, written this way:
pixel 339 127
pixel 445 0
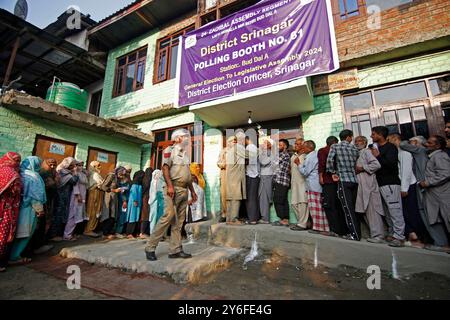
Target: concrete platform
pixel 327 251
pixel 129 255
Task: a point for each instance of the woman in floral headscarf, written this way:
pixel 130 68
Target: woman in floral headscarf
pixel 31 207
pixel 10 190
pixel 66 180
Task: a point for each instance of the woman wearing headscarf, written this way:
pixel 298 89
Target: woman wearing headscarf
pixel 77 207
pixel 197 209
pixel 66 180
pixel 145 212
pixel 10 192
pixel 134 204
pixel 48 174
pixel 156 199
pixel 31 206
pixel 110 205
pixel 124 184
pixel 94 199
pixel 195 170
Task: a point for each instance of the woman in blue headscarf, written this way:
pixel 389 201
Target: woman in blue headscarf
pixel 31 207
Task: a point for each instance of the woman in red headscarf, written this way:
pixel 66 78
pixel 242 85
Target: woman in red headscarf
pixel 10 191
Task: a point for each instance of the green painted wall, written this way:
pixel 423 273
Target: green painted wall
pixel 18 133
pixel 403 70
pixel 150 96
pixel 325 120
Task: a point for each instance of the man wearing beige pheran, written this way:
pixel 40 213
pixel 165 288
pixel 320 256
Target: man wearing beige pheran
pixel 223 177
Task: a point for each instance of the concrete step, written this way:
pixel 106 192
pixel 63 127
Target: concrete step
pixel 328 251
pixel 129 255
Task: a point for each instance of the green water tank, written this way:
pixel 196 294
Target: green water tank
pixel 68 95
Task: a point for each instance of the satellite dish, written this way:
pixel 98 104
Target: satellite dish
pixel 21 9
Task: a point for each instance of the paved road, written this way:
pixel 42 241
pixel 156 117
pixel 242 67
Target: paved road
pixel 266 278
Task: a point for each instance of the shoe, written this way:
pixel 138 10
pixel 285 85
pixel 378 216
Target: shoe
pixel 151 256
pixel 222 220
pixel 92 234
pixel 56 239
pixel 120 236
pixel 313 231
pixel 180 255
pixel 297 228
pixel 396 243
pixel 375 240
pixel 43 249
pixel 263 222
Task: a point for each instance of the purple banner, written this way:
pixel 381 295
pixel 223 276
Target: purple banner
pixel 266 44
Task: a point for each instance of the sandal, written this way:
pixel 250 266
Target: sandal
pixel 277 224
pixel 21 261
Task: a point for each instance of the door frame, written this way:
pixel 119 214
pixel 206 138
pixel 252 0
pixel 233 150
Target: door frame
pixel 40 136
pixel 101 150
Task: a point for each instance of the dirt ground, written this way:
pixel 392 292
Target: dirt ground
pixel 275 278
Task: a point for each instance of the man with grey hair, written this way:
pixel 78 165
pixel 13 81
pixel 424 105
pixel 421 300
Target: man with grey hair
pixel 416 146
pixel 235 175
pixel 178 180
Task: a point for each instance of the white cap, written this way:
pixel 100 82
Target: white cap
pixel 179 133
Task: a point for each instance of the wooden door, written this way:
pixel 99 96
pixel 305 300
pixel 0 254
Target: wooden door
pixel 107 159
pixel 46 148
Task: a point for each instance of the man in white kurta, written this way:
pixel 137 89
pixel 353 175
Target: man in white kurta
pixel 299 197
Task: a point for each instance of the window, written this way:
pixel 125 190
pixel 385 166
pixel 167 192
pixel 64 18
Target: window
pixel 130 72
pixel 440 86
pixel 167 56
pixel 96 101
pixel 407 122
pixel 358 101
pixel 384 5
pixel 362 126
pixel 446 111
pixel 406 92
pixel 348 8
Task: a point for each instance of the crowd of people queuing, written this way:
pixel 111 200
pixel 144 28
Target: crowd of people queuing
pixel 399 189
pixel 42 201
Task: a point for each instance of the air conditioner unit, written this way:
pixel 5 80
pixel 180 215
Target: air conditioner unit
pixel 209 4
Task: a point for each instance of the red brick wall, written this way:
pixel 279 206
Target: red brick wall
pixel 401 26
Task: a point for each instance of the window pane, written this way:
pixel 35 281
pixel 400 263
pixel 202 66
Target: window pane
pixel 164 43
pixel 446 111
pixel 390 118
pixel 404 116
pixel 392 128
pixel 119 81
pixel 407 131
pixel 162 65
pixel 352 5
pixel 366 129
pixel 422 128
pixel 140 75
pixel 440 86
pixel 160 136
pixel 384 4
pixel 355 129
pixel 122 61
pixel 143 53
pixel 358 101
pixel 130 78
pixel 173 62
pixel 418 113
pixel 132 57
pixel 401 93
